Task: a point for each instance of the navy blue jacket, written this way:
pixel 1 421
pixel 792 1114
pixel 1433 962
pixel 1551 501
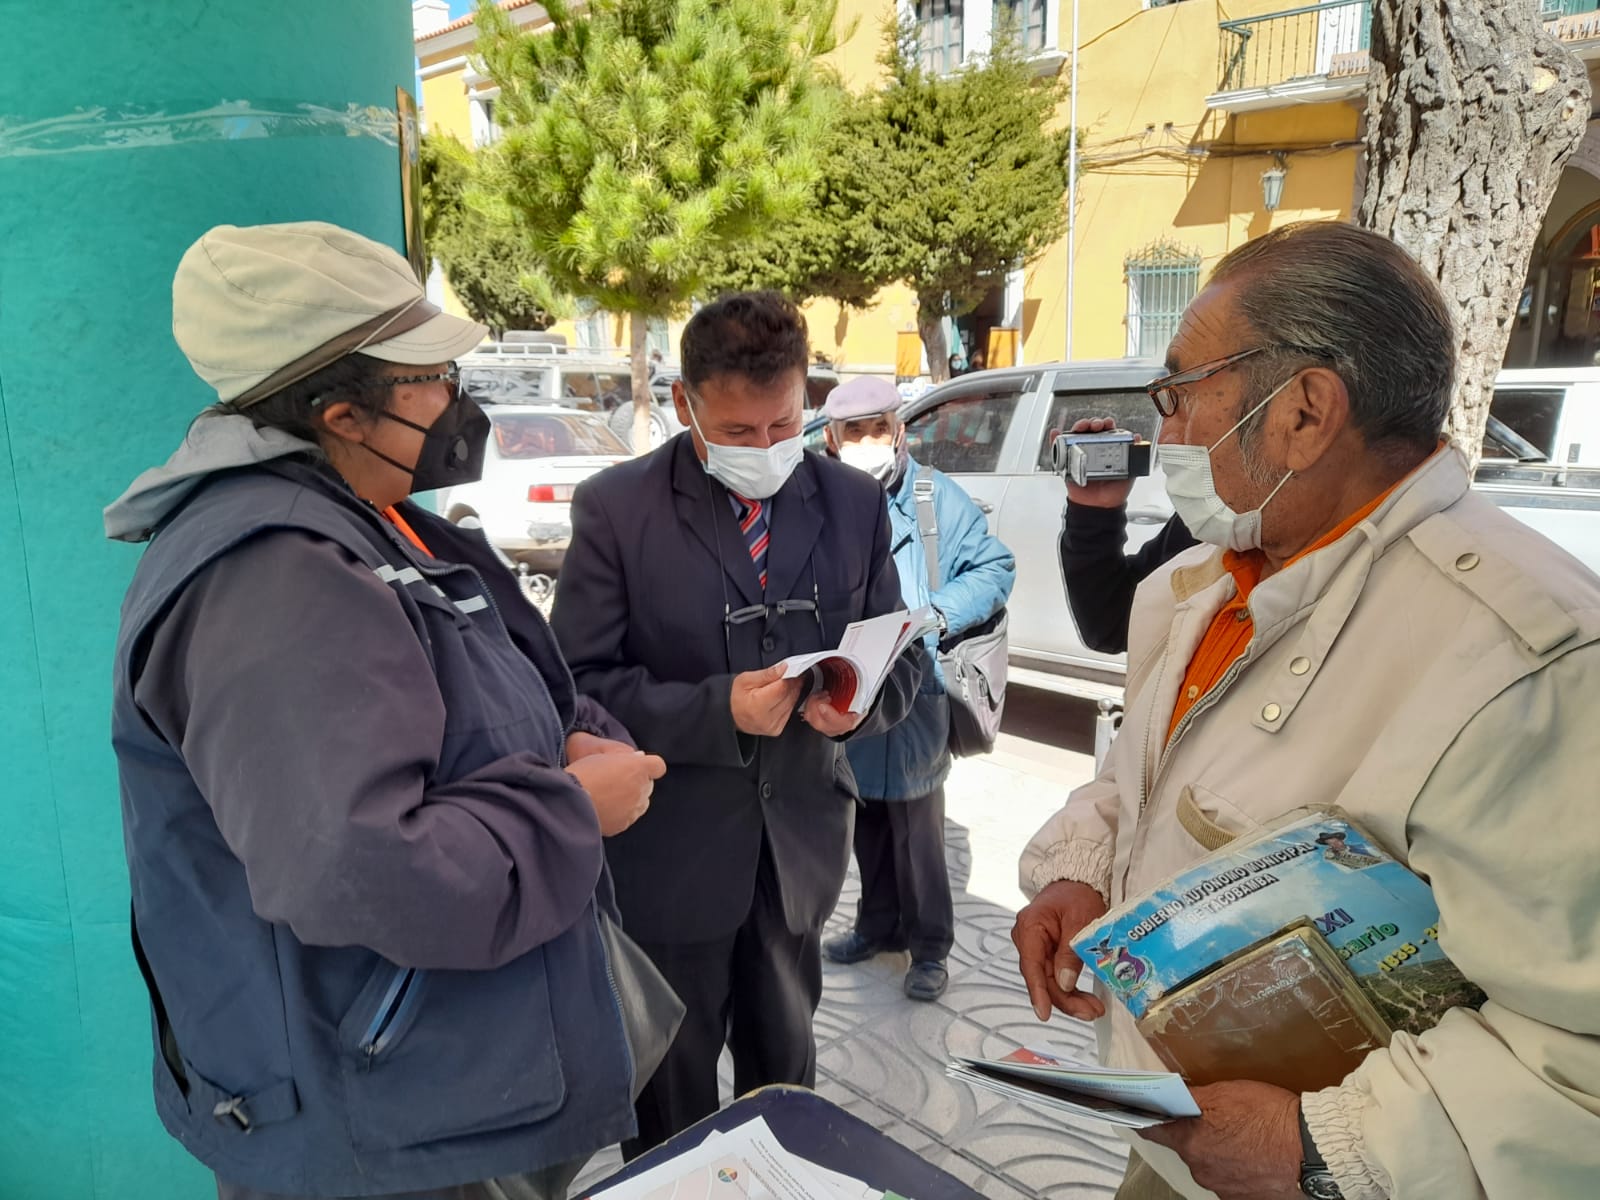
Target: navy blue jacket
pixel 364 886
pixel 976 574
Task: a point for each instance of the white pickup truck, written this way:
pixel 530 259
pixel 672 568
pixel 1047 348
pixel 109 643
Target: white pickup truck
pixel 992 431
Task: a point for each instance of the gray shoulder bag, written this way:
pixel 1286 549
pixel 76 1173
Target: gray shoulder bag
pixel 974 661
pixel 651 1010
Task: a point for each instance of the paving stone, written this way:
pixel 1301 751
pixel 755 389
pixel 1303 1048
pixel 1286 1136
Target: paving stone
pixel 1040 1154
pixel 978 1176
pixel 858 994
pixel 900 1061
pixel 602 1166
pixel 882 1057
pixel 983 936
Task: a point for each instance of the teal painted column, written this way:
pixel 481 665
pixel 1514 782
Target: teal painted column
pixel 106 175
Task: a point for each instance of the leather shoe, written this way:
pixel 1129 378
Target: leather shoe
pixel 927 980
pixel 853 948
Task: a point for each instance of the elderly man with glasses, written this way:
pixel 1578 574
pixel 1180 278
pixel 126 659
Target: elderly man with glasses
pixel 1358 629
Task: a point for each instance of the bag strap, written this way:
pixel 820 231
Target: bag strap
pixel 927 528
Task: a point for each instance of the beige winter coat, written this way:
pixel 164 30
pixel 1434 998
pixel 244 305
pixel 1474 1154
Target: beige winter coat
pixel 1436 673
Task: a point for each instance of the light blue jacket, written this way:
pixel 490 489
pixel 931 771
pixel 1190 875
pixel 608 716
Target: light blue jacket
pixel 976 574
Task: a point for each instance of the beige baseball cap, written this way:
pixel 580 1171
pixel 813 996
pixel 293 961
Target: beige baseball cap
pixel 256 308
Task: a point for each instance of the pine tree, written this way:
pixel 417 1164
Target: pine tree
pixel 942 182
pixel 641 136
pixel 825 250
pixel 487 262
pixel 973 178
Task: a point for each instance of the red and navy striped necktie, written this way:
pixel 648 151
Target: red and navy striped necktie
pixel 753 524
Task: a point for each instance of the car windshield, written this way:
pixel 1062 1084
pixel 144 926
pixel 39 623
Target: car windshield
pixel 504 385
pixel 553 435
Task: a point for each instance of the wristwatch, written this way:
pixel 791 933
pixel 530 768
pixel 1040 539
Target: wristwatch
pixel 944 626
pixel 1316 1180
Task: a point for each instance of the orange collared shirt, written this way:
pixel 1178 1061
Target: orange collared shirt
pixel 1231 629
pixel 404 526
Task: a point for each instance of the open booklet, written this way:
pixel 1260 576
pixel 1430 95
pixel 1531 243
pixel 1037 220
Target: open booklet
pixel 1042 1076
pixel 853 674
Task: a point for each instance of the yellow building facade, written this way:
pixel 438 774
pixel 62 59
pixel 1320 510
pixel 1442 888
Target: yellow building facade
pixel 1200 129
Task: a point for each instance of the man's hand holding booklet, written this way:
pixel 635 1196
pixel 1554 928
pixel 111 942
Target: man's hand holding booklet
pixel 853 674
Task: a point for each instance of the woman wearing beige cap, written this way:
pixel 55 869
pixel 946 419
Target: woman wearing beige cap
pixel 362 802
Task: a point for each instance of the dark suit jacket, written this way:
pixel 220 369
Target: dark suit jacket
pixel 656 560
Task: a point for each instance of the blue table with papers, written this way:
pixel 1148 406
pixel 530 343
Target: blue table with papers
pixel 818 1130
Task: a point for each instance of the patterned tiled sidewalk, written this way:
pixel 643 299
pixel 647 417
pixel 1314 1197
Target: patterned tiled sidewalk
pixel 882 1057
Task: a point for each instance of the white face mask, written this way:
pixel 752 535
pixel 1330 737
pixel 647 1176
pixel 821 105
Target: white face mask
pixel 1194 491
pixel 875 458
pixel 750 471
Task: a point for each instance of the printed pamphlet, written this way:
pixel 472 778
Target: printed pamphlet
pixel 1379 918
pixel 1044 1077
pixel 853 674
pixel 745 1163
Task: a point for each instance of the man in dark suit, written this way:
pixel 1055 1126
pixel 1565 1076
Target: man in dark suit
pixel 693 572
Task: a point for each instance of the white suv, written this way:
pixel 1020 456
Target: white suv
pixel 541 369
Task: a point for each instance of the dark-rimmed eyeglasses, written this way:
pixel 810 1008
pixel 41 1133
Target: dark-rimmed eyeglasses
pixel 763 612
pixel 451 375
pixel 1165 393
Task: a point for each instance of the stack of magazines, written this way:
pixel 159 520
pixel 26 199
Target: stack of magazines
pixel 1286 956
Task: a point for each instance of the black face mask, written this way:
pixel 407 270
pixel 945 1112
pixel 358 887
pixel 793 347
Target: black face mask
pixel 452 447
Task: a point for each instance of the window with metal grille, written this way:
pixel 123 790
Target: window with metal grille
pixel 939 35
pixel 1162 279
pixel 1026 17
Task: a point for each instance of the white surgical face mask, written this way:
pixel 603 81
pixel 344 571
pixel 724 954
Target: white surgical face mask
pixel 753 472
pixel 1194 491
pixel 875 458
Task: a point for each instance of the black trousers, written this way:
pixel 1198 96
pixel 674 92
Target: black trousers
pixel 905 885
pixel 755 991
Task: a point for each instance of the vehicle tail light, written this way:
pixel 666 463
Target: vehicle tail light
pixel 549 493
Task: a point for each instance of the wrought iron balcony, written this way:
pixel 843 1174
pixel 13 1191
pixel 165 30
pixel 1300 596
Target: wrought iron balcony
pixel 1300 44
pixel 1325 45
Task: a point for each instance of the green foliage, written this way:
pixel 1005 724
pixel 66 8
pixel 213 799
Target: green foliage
pixel 486 259
pixel 643 136
pixel 943 183
pixel 978 174
pixel 826 249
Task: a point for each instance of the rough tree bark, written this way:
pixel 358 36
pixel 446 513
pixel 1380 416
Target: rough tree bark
pixel 639 360
pixel 1472 108
pixel 934 343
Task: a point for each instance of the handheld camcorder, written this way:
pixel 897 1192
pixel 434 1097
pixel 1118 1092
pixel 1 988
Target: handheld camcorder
pixel 1087 458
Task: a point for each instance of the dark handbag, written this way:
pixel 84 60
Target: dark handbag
pixel 651 1010
pixel 974 661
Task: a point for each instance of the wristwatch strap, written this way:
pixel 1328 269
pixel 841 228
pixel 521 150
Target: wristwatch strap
pixel 1316 1180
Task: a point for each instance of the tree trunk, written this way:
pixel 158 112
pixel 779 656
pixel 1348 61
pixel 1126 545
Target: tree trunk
pixel 639 360
pixel 1472 108
pixel 934 343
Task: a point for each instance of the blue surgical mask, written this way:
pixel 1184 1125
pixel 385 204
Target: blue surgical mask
pixel 754 472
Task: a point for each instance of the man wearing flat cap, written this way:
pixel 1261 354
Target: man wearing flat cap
pixel 965 573
pixel 362 800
